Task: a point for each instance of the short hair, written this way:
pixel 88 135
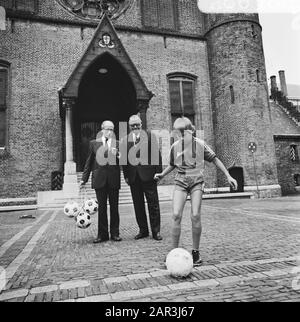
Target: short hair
pixel 107 122
pixel 182 124
pixel 135 118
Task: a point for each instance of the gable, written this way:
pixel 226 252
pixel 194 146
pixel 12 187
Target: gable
pixel 106 41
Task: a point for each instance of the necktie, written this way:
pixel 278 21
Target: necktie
pixel 137 140
pixel 106 148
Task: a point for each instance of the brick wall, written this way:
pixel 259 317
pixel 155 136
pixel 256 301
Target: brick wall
pixel 155 59
pixel 42 58
pixel 286 167
pixel 282 125
pixel 191 21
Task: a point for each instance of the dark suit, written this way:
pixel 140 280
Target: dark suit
pixel 106 182
pixel 140 178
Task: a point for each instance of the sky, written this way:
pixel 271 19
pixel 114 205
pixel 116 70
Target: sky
pixel 281 39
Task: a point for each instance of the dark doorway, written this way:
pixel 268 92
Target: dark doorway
pixel 238 174
pixel 106 92
pixel 297 180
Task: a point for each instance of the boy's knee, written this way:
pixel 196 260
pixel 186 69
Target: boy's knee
pixel 196 217
pixel 177 217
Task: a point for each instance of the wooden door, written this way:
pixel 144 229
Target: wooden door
pixel 88 132
pixel 238 174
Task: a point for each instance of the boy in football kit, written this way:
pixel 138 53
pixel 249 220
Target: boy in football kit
pixel 187 155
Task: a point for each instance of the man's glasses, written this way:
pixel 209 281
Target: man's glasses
pixel 137 126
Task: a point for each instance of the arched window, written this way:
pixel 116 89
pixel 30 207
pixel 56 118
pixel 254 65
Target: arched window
pixel 4 68
pixel 182 96
pixel 2 18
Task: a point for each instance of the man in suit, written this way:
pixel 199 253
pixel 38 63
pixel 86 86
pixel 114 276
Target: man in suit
pixel 103 162
pixel 139 174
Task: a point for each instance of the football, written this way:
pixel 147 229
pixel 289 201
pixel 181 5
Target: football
pixel 71 209
pixel 83 220
pixel 90 206
pixel 179 262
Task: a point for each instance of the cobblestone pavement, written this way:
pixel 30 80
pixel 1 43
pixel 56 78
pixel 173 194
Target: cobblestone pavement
pixel 250 248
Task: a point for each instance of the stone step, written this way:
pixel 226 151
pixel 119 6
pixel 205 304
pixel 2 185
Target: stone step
pixel 18 208
pixel 59 203
pixel 79 175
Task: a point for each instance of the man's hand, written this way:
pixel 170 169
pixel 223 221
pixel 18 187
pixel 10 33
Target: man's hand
pixel 82 184
pixel 158 176
pixel 114 151
pixel 127 181
pixel 232 182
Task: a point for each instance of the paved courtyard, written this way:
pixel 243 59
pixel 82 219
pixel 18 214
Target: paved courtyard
pixel 250 249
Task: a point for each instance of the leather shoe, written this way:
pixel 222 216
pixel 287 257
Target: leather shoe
pixel 157 236
pixel 100 240
pixel 141 235
pixel 116 238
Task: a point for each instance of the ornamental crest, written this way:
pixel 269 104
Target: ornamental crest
pixel 106 41
pixel 94 9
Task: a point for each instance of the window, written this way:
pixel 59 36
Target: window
pixel 3 103
pixel 25 5
pixel 7 4
pixel 2 18
pixel 258 76
pixel 160 14
pixel 232 94
pixel 20 5
pixel 253 32
pixel 182 92
pixel 294 153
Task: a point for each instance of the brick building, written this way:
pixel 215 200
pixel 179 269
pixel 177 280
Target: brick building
pixel 64 70
pixel 286 129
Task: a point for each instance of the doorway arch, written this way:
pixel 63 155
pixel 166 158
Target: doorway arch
pixel 105 92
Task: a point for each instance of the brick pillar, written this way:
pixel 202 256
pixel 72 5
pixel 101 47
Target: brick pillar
pixel 274 87
pixel 283 85
pixel 70 185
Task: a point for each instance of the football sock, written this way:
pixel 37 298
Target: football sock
pixel 176 235
pixel 196 233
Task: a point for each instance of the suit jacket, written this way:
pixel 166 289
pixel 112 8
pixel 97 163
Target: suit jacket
pixel 102 171
pixel 145 170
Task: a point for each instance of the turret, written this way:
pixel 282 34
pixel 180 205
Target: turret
pixel 240 99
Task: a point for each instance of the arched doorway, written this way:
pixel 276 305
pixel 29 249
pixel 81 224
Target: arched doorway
pixel 238 174
pixel 106 92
